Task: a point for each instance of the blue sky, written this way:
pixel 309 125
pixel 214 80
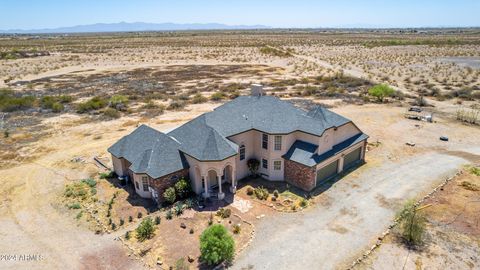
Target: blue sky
pixel 30 14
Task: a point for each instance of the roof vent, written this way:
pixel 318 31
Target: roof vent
pixel 257 90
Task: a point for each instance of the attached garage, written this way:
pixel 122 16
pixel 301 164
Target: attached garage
pixel 351 158
pixel 327 172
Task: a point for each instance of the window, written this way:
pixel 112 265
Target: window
pixel 265 163
pixel 242 152
pixel 264 141
pixel 136 185
pixel 277 165
pixel 278 143
pixel 145 183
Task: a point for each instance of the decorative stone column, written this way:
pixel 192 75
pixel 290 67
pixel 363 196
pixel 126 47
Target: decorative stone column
pixel 205 189
pixel 221 195
pixel 233 187
pixel 340 163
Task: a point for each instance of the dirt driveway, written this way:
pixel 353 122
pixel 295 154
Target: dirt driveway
pixel 348 216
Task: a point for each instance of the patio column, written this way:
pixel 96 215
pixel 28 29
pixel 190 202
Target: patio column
pixel 205 187
pixel 221 195
pixel 233 187
pixel 340 164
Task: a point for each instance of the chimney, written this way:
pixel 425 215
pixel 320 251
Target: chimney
pixel 257 90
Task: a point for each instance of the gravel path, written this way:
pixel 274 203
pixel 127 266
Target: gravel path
pixel 347 219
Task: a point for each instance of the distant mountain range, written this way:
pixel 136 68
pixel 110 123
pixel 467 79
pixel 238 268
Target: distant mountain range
pixel 133 27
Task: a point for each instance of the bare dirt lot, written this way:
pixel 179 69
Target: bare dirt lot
pixel 63 108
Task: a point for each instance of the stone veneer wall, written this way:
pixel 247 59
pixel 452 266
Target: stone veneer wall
pixel 164 182
pixel 299 175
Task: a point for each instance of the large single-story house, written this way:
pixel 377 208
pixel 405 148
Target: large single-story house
pixel 300 147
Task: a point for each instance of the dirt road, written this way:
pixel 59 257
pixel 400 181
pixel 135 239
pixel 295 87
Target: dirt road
pixel 348 217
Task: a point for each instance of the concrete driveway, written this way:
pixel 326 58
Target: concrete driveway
pixel 348 217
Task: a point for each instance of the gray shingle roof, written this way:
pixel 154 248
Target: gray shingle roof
pixel 205 137
pixel 304 152
pixel 150 152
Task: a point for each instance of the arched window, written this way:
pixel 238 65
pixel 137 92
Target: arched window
pixel 242 152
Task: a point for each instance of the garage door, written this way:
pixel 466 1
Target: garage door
pixel 327 172
pixel 351 158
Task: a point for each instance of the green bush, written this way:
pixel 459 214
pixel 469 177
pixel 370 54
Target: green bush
pixel 237 229
pixel 253 165
pixel 183 188
pixel 176 105
pixel 216 245
pixel 127 235
pixel 157 220
pixel 169 214
pixel 276 193
pixel 74 206
pixel 178 209
pixel 169 195
pixel 381 91
pixel 198 99
pixel 118 102
pixel 250 191
pixel 145 229
pixel 111 113
pixel 217 96
pixel 90 182
pixel 10 102
pixel 411 223
pixel 261 193
pixel 303 203
pixel 224 212
pixel 93 104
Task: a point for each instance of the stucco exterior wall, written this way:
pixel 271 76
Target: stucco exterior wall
pixel 345 132
pixel 119 166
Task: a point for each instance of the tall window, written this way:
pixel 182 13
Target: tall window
pixel 278 143
pixel 242 152
pixel 264 141
pixel 277 165
pixel 265 163
pixel 145 183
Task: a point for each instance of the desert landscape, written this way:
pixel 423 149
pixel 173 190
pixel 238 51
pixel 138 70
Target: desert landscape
pixel 65 99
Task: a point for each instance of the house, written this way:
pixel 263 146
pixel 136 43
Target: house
pixel 301 147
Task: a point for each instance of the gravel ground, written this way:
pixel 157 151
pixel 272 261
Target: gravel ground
pixel 348 217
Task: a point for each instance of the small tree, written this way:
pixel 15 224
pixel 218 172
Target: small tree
pixel 412 223
pixel 145 229
pixel 169 195
pixel 253 165
pixel 216 245
pixel 183 188
pixel 380 91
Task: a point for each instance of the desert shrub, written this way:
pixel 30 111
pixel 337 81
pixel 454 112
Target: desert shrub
pixel 110 174
pixel 169 214
pixel 74 206
pixel 79 215
pixel 381 91
pixel 183 188
pixel 169 195
pixel 176 105
pixel 178 209
pixel 189 203
pixel 77 190
pixel 111 113
pixel 224 212
pixel 64 99
pixel 469 186
pixel 6 133
pixel 121 222
pixel 127 235
pixel 114 226
pixel 10 102
pixel 130 218
pixel 94 103
pixel 275 52
pixel 475 171
pixel 198 99
pixel 411 224
pixel 145 229
pixel 139 215
pixel 250 191
pixel 217 96
pixel 303 203
pixel 181 264
pixel 216 245
pixel 253 165
pixel 90 182
pixel 157 220
pixel 261 193
pixel 50 102
pixel 210 220
pixel 118 102
pixel 237 229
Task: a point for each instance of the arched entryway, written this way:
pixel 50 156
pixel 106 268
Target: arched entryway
pixel 228 175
